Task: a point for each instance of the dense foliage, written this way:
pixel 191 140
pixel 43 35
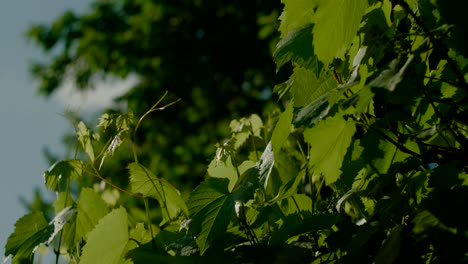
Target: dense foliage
pixel 365 164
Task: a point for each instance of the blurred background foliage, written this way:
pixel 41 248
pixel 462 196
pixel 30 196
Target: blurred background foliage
pixel 215 56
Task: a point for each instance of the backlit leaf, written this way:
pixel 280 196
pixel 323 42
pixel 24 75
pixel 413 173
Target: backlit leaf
pixel 329 140
pixel 337 22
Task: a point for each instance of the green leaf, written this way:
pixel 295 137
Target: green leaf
pixel 244 128
pixel 296 14
pixel 297 47
pixel 91 208
pixel 30 231
pixel 85 137
pixel 282 128
pixel 330 140
pixel 227 170
pixel 106 243
pixel 211 206
pixel 379 152
pixel 306 86
pixel 145 182
pixel 337 22
pixel 211 211
pixel 60 172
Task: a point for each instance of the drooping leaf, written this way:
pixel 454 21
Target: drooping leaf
pixel 329 140
pixel 106 243
pixel 282 128
pixel 143 181
pixel 337 22
pixel 60 172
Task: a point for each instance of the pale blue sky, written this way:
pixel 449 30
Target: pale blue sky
pixel 28 122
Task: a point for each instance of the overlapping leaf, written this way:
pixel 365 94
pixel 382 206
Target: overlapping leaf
pixel 211 206
pixel 106 243
pixel 145 182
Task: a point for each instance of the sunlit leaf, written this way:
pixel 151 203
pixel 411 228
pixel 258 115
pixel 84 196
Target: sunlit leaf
pixel 330 140
pixel 337 22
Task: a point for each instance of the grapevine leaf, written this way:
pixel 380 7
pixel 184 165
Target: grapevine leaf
pixel 244 128
pixel 296 14
pixel 145 182
pixel 306 86
pixel 282 128
pixel 380 153
pixel 227 170
pixel 211 210
pixel 288 189
pixel 85 137
pixel 212 207
pixel 337 24
pixel 330 140
pixel 106 243
pixel 91 208
pixel 30 231
pixel 60 172
pixel 297 47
